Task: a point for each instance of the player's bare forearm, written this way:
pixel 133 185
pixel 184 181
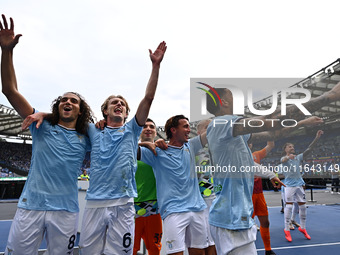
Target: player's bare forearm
pixel 311 146
pixel 284 132
pixel 151 146
pixel 273 121
pixel 9 85
pixel 204 140
pixel 144 106
pixel 8 78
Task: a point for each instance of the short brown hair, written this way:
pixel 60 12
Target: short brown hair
pixel 284 148
pixel 173 122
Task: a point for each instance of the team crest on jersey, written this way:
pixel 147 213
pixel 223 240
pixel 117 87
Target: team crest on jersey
pixel 170 243
pixel 81 138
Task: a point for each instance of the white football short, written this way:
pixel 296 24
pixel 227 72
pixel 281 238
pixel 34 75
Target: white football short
pixel 295 194
pixel 208 201
pixel 187 229
pixel 29 227
pixel 108 230
pixel 234 242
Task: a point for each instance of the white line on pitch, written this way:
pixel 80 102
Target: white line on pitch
pixel 301 246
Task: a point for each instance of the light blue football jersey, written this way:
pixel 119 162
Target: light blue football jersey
pixel 291 169
pixel 233 184
pixel 57 156
pixel 113 161
pixel 176 180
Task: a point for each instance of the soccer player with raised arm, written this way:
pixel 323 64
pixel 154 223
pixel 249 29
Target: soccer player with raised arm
pixel 108 223
pixel 148 221
pixel 232 208
pixel 294 192
pixel 47 206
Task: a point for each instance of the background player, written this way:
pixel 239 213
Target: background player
pixel 294 191
pixel 259 202
pixel 148 222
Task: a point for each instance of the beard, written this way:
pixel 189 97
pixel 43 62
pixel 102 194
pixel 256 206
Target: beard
pixel 68 119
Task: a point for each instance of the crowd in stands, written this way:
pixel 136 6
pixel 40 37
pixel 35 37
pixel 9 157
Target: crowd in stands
pixel 5 172
pixel 326 155
pixel 15 155
pixel 324 159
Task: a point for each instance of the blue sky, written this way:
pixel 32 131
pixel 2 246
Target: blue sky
pixel 99 48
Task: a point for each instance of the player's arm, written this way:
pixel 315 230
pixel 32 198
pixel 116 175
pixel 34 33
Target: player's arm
pixel 284 132
pixel 204 139
pixel 310 147
pixel 37 117
pixel 286 158
pixel 151 146
pixel 8 78
pixel 144 106
pixel 263 172
pixel 292 112
pixel 270 145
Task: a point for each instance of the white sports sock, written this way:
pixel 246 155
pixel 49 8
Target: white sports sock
pixel 288 214
pixel 303 215
pixel 295 211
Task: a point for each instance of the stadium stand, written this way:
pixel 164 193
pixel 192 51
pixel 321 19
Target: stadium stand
pixel 17 156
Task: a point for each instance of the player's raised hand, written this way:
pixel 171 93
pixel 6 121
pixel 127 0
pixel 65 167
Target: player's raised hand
pixel 319 133
pixel 157 56
pixel 7 38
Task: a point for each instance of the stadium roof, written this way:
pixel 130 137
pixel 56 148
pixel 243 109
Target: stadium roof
pixel 317 83
pixel 10 124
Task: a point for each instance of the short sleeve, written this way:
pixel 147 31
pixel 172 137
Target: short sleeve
pixel 300 157
pixel 195 144
pixel 147 156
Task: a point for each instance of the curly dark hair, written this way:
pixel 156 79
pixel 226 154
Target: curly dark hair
pixel 173 122
pixel 83 120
